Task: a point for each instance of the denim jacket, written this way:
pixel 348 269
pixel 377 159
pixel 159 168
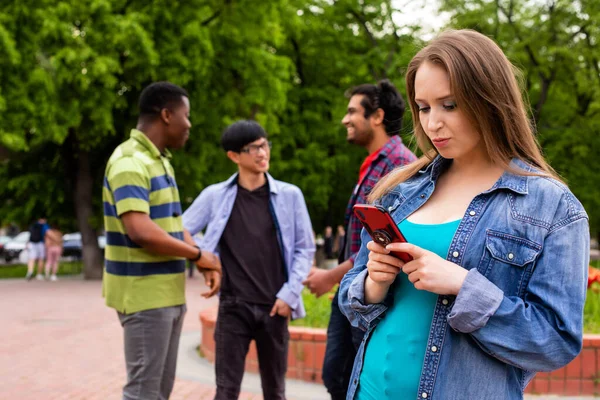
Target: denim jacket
pixel 525 243
pixel 212 208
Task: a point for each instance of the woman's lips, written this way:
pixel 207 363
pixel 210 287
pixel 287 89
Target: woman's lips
pixel 439 143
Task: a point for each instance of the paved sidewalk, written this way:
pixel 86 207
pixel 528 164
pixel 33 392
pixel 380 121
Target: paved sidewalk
pixel 58 341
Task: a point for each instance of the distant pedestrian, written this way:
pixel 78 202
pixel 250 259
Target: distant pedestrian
pixel 54 246
pixel 328 242
pixel 340 240
pixel 36 248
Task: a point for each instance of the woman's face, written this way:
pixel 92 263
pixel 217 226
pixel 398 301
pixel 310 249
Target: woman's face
pixel 442 120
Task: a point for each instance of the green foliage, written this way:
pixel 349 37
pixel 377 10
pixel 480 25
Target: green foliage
pixel 71 73
pixel 317 310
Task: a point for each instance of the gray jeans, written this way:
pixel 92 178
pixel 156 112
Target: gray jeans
pixel 151 340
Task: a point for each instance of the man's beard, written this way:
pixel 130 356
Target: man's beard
pixel 361 138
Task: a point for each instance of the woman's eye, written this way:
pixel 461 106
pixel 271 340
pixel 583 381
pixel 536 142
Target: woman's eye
pixel 423 109
pixel 450 106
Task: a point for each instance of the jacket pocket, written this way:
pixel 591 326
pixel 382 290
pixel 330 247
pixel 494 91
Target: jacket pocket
pixel 508 261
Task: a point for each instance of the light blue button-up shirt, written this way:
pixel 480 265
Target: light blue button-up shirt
pixel 526 245
pixel 212 208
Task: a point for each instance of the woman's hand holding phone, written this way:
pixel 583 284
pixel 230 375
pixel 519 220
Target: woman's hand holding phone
pixel 427 270
pixel 383 269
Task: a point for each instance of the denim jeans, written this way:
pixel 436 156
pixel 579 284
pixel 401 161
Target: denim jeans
pixel 238 323
pixel 151 342
pixel 343 340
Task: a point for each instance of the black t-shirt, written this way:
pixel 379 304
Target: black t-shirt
pixel 253 268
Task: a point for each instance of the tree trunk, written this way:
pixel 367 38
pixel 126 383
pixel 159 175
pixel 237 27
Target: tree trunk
pixel 84 190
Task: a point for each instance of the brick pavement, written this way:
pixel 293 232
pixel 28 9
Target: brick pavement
pixel 59 341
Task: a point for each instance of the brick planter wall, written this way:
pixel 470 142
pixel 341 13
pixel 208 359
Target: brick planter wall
pixel 307 350
pixel 305 355
pixel 580 377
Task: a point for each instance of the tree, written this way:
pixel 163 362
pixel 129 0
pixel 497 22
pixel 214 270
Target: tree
pixel 555 44
pixel 71 73
pixel 333 46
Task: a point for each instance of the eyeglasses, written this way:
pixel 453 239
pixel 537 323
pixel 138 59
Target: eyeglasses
pixel 253 149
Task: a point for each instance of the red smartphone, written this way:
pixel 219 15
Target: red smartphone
pixel 381 226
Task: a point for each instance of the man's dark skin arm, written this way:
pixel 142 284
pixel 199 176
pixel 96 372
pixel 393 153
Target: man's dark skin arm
pixel 147 234
pixel 212 278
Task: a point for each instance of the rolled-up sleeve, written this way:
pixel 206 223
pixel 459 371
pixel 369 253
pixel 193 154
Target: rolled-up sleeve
pixel 542 331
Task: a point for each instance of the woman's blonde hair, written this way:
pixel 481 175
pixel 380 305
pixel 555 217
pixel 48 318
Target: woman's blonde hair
pixel 484 85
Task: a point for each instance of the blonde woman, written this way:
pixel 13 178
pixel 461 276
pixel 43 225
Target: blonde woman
pixel 54 247
pixel 500 246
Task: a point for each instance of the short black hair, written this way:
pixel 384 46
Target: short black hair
pixel 159 95
pixel 384 95
pixel 241 133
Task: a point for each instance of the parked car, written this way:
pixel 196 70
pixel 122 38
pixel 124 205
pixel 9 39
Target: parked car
pixel 3 241
pixel 72 245
pixel 14 248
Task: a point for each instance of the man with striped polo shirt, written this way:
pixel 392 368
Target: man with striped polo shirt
pixel 147 246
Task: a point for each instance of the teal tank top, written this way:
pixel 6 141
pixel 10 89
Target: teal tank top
pixel 396 350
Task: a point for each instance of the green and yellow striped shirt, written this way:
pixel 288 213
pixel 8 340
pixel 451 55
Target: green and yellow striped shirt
pixel 139 178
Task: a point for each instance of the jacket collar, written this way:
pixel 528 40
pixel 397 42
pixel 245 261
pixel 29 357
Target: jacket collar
pixel 273 188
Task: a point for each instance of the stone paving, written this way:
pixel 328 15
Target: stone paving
pixel 58 341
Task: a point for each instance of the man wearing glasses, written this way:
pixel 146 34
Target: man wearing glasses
pixel 262 231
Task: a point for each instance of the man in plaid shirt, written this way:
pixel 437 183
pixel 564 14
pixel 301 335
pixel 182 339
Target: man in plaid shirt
pixel 373 121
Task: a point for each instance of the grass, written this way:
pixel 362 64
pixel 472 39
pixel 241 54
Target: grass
pixel 317 310
pixel 591 312
pixel 19 270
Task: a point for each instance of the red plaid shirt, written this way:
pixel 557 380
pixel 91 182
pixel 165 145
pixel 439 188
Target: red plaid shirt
pixel 393 154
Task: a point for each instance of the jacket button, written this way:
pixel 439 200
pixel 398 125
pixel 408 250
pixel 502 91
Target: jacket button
pixel 423 196
pixel 433 349
pixel 445 302
pixel 471 213
pixel 424 395
pixel 455 254
pixel 511 256
pixel 390 208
